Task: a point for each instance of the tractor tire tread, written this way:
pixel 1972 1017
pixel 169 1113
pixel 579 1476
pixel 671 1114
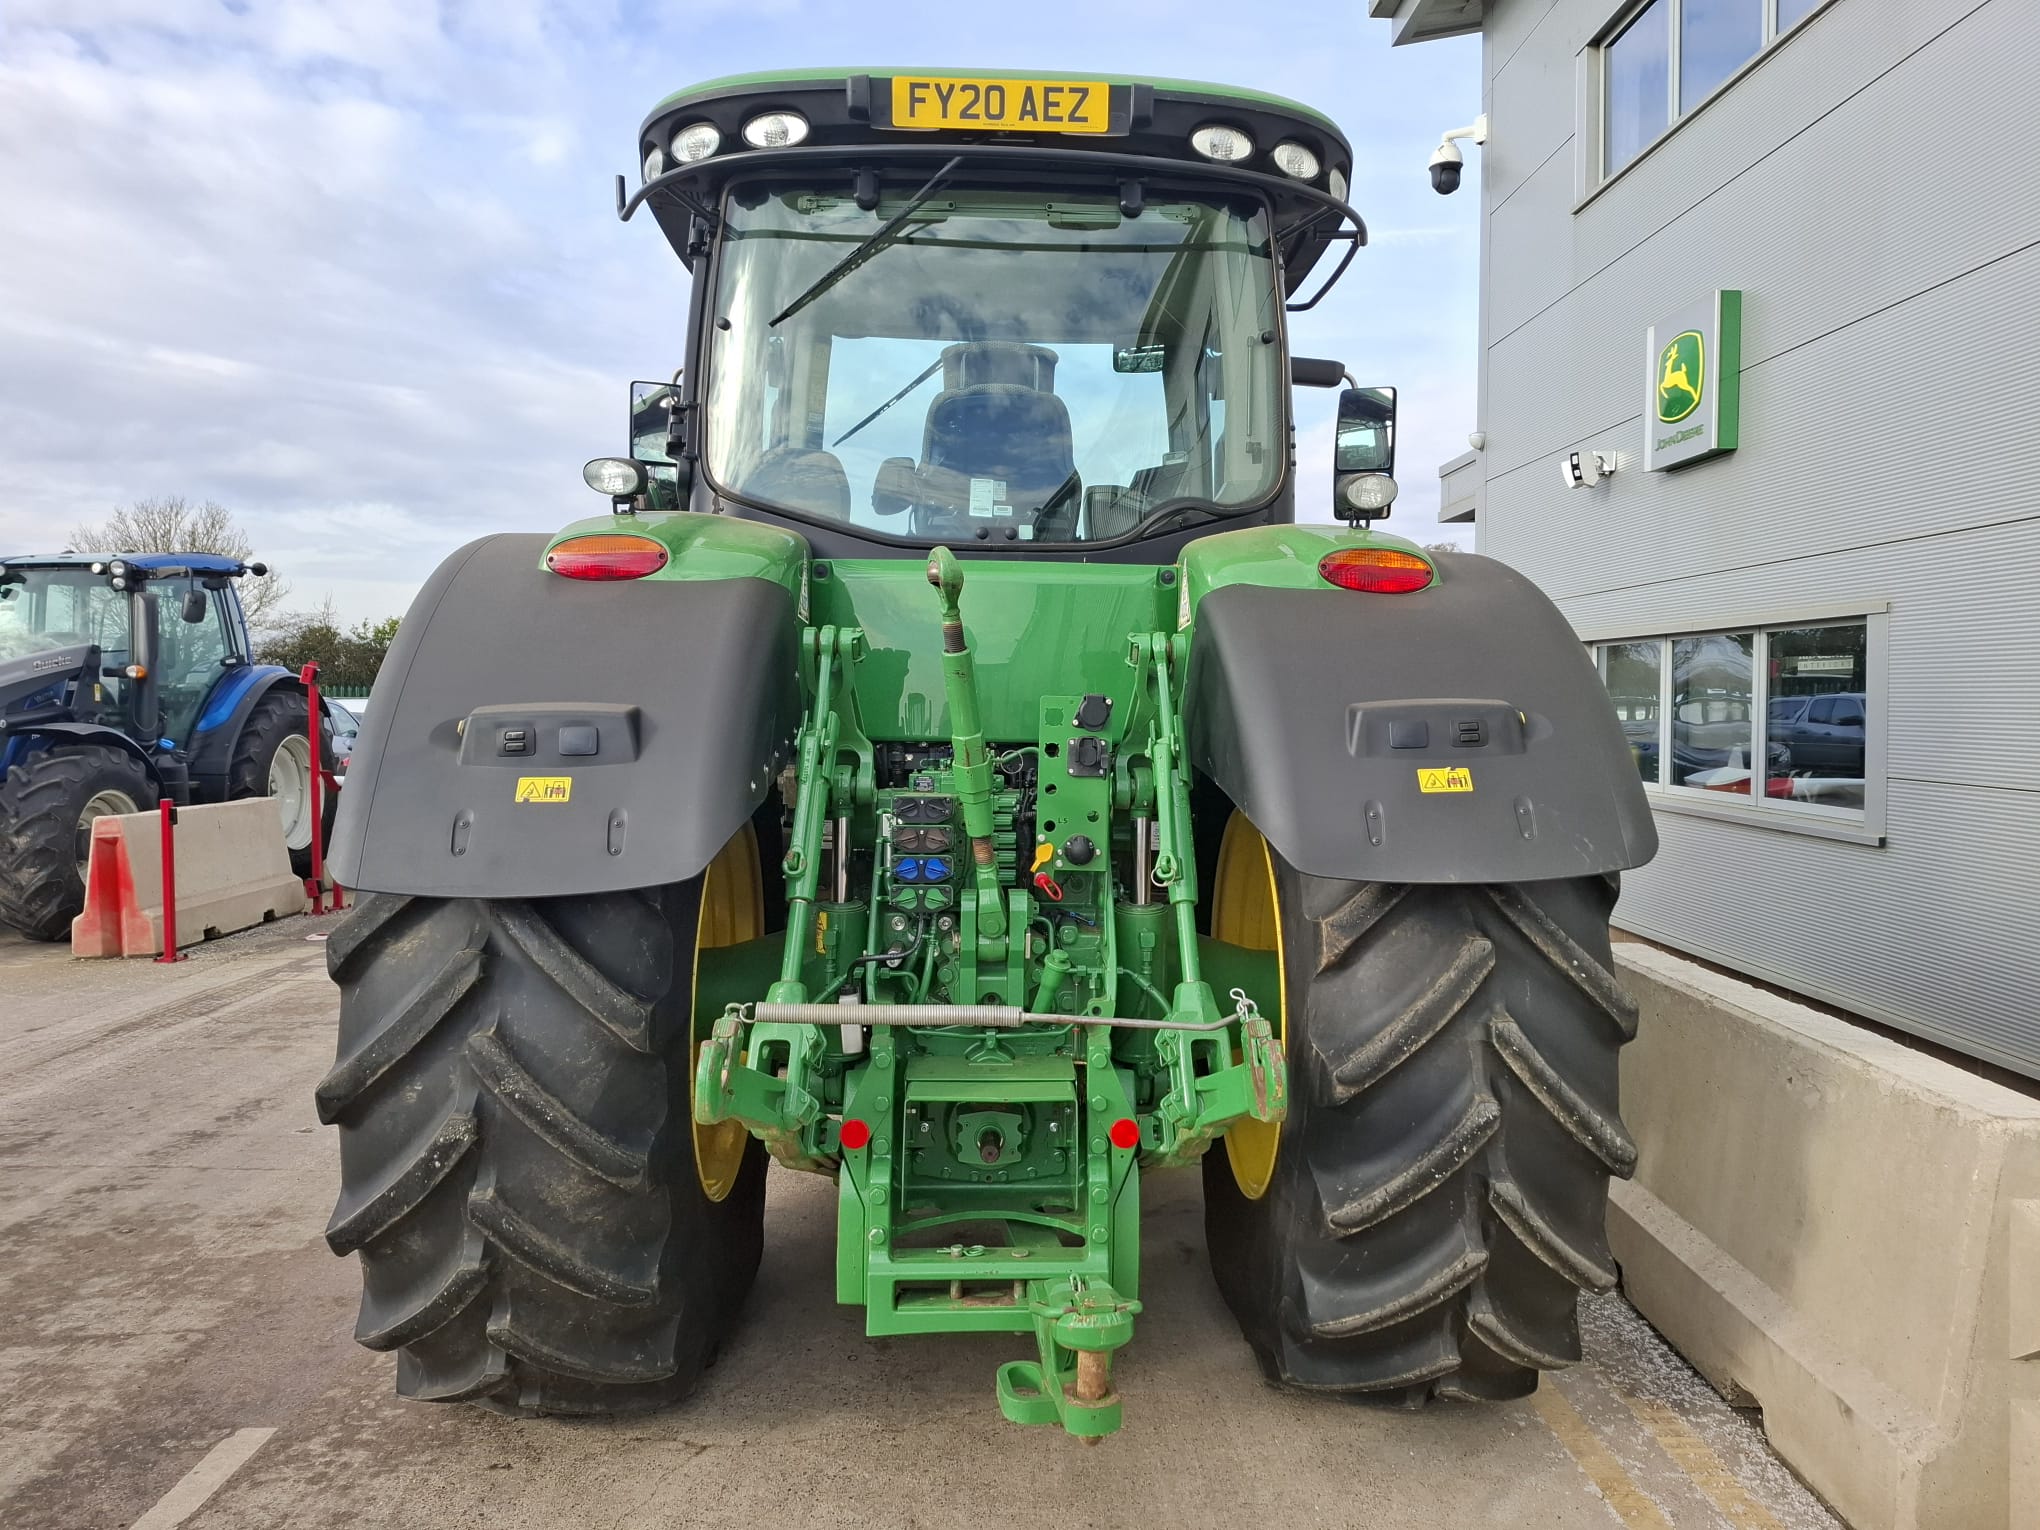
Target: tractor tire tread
pixel 1438 1195
pixel 281 711
pixel 40 889
pixel 517 1176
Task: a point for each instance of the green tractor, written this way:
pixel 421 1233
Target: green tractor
pixel 949 769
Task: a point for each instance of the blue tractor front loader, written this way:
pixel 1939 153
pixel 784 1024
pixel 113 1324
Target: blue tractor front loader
pixel 126 680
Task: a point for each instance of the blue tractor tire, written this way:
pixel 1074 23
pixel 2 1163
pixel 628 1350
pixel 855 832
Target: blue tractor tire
pixel 272 758
pixel 47 804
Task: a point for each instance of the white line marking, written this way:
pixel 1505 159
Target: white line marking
pixel 203 1480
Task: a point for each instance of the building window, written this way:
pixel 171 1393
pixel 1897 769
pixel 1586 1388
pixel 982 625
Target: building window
pixel 1716 38
pixel 1637 65
pixel 1712 695
pixel 1661 60
pixel 1700 709
pixel 1634 675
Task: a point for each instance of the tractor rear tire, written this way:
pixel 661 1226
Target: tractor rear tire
pixel 43 827
pixel 1438 1189
pixel 517 1159
pixel 275 720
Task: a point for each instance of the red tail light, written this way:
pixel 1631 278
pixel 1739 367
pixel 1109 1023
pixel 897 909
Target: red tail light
pixel 1376 570
pixel 606 556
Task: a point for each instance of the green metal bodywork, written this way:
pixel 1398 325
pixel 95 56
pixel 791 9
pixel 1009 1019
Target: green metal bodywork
pixel 706 546
pixel 988 1192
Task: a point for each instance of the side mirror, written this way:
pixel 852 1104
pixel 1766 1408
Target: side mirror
pixel 1363 454
pixel 1366 434
pixel 651 420
pixel 197 606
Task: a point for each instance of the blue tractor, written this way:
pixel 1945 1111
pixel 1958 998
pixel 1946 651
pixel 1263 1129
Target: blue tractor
pixel 125 680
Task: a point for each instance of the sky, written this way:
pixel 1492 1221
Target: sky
pixel 353 269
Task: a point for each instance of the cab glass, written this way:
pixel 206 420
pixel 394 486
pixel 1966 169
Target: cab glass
pixel 1008 366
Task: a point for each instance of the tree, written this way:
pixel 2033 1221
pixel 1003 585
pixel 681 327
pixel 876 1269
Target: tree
pixel 347 659
pixel 169 523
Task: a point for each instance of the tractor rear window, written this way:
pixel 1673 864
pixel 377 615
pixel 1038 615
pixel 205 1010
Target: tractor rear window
pixel 1008 367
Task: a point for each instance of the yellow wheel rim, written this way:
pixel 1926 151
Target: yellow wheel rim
pixel 1247 911
pixel 732 911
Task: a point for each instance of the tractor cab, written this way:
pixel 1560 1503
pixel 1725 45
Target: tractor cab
pixel 1041 316
pixel 164 630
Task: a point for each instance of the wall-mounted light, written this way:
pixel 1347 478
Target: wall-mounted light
pixel 1582 470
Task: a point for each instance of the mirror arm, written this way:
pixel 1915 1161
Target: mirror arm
pixel 1352 238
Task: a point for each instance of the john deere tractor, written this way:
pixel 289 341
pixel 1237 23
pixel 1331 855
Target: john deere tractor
pixel 125 680
pixel 948 768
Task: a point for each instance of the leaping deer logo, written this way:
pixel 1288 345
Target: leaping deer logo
pixel 1678 387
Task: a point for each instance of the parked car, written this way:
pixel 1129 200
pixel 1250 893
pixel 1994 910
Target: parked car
pixel 1825 734
pixel 346 725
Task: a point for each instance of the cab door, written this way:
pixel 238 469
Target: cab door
pixel 200 641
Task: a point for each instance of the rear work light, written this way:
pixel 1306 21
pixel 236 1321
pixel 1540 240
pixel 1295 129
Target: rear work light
pixel 1376 570
pixel 606 557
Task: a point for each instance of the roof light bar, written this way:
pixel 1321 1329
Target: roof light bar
pixel 1221 142
pixel 776 130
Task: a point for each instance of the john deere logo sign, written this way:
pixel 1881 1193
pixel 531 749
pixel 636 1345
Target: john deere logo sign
pixel 1695 383
pixel 1682 373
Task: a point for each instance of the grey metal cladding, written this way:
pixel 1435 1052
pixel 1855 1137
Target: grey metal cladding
pixel 1937 932
pixel 1962 688
pixel 1530 116
pixel 1810 183
pixel 1933 451
pixel 1863 186
pixel 691 685
pixel 1288 705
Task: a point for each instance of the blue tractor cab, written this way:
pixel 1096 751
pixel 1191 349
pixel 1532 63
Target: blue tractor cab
pixel 125 680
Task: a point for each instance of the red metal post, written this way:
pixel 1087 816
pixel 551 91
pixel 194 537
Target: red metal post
pixel 168 810
pixel 310 675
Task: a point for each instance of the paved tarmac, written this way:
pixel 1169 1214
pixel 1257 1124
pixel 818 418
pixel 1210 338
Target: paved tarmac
pixel 175 1344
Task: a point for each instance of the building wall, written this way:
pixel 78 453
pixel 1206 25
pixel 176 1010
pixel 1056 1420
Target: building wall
pixel 1870 186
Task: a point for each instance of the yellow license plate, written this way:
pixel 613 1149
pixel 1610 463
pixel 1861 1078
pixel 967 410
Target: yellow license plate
pixel 1032 106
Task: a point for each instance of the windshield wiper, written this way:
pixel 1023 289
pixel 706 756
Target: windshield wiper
pixel 887 234
pixel 1181 512
pixel 932 368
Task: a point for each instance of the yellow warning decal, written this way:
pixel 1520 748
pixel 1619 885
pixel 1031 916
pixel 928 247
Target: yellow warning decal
pixel 557 788
pixel 1453 778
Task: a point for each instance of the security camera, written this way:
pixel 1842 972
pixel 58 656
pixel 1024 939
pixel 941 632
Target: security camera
pixel 1445 167
pixel 1447 161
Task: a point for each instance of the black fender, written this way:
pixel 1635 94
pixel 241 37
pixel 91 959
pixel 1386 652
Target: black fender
pixel 690 685
pixel 1315 711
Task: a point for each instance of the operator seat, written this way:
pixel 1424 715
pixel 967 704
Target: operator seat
pixel 998 418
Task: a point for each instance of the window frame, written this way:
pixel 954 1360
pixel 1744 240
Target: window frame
pixel 1865 825
pixel 1594 172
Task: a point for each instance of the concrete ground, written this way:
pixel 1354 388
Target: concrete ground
pixel 175 1344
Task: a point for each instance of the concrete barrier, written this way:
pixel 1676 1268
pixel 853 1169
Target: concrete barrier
pixel 1846 1232
pixel 233 871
